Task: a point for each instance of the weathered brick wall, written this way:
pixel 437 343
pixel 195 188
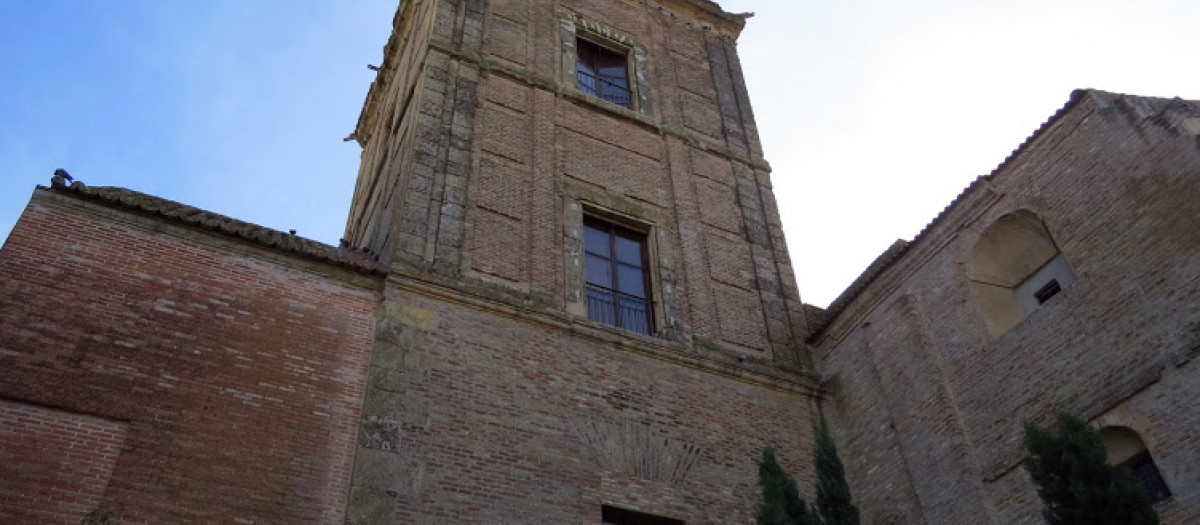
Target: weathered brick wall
pixel 476 413
pixel 492 398
pixel 506 149
pixel 685 159
pixel 54 465
pixel 236 371
pixel 387 127
pixel 866 435
pixel 1117 182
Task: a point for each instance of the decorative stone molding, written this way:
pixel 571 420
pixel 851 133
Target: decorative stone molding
pixel 580 200
pixel 571 26
pixel 634 449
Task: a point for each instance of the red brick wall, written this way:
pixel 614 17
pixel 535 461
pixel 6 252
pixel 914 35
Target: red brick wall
pixel 238 371
pixel 507 420
pixel 476 415
pixel 696 183
pixel 54 465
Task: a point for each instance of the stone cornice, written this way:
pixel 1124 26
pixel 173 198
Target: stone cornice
pixel 682 353
pixel 708 14
pixel 401 23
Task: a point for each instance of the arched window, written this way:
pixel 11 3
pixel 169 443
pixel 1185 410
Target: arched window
pixel 1015 267
pixel 1125 448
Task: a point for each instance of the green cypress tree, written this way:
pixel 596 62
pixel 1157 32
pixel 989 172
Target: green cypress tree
pixel 98 516
pixel 781 503
pixel 833 493
pixel 1076 483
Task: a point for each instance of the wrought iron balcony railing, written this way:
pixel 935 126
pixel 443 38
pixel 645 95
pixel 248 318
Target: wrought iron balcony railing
pixel 621 310
pixel 604 88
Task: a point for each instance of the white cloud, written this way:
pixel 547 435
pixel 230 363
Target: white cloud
pixel 874 115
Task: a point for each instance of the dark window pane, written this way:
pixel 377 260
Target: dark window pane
pixel 621 298
pixel 630 280
pixel 614 85
pixel 1143 468
pixel 613 75
pixel 587 77
pixel 585 67
pixel 617 94
pixel 596 240
pixel 629 251
pixel 598 270
pixel 612 71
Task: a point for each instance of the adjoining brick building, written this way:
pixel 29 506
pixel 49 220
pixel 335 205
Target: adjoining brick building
pixel 174 365
pixel 564 296
pixel 1066 280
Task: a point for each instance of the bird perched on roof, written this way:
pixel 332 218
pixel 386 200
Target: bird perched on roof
pixel 63 174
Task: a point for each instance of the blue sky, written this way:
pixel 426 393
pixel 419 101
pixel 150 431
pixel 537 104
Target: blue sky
pixel 236 106
pixel 874 114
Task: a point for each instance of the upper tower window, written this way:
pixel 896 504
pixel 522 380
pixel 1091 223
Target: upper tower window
pixel 617 282
pixel 603 72
pixel 1015 268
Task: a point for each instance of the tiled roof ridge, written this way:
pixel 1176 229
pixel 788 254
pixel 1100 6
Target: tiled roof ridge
pixel 895 252
pixel 199 218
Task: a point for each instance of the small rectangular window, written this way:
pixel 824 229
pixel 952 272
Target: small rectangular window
pixel 617 516
pixel 1052 279
pixel 603 72
pixel 614 265
pixel 1046 292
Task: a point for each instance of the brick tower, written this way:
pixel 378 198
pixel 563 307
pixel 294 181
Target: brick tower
pixel 592 312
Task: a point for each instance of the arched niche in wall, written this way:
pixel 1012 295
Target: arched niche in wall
pixel 1126 448
pixel 1014 268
